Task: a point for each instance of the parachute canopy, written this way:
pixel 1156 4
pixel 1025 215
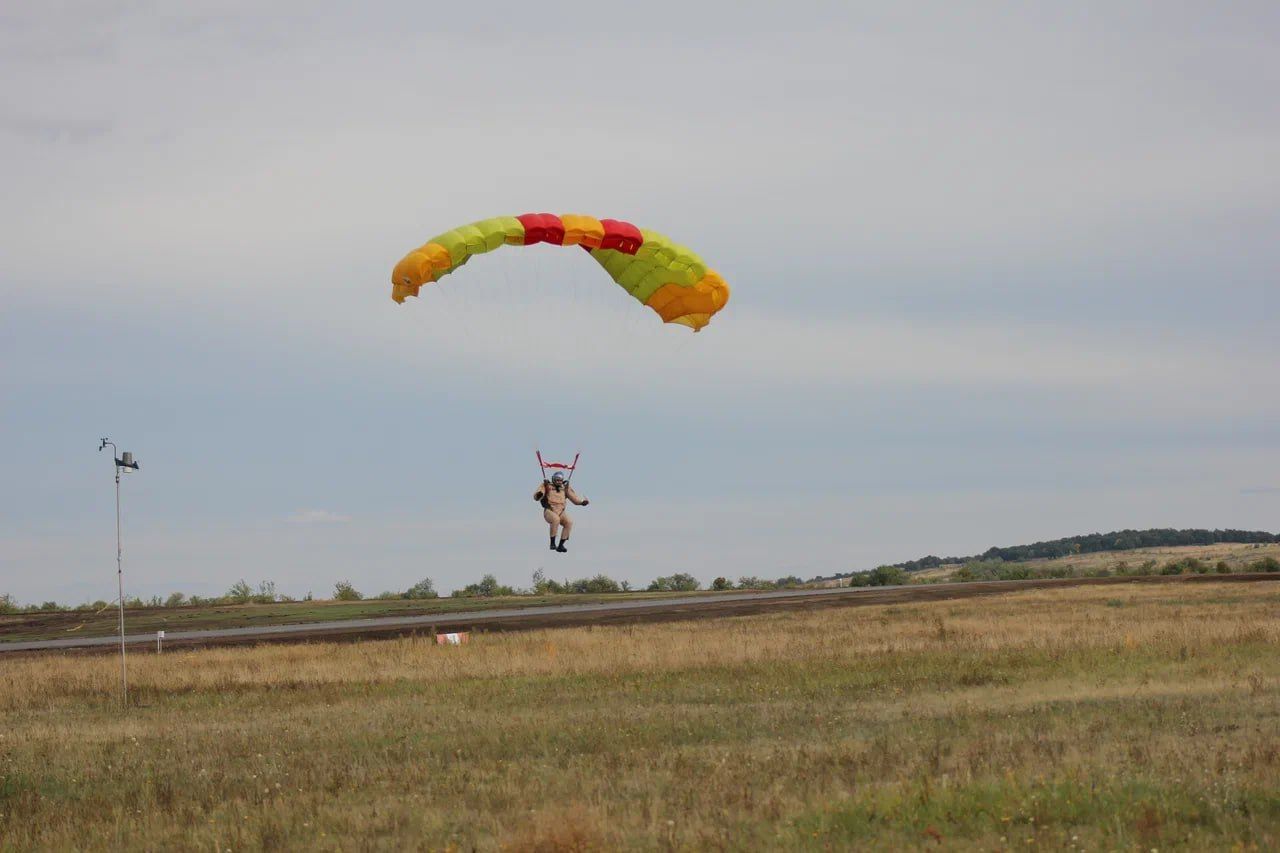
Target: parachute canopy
pixel 662 274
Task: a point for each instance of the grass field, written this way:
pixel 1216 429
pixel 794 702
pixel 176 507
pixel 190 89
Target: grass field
pixel 1121 717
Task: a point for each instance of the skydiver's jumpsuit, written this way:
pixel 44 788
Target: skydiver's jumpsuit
pixel 554 513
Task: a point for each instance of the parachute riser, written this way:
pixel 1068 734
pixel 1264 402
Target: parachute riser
pixel 542 466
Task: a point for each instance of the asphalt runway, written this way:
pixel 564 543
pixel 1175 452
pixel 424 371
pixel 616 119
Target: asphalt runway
pixel 566 615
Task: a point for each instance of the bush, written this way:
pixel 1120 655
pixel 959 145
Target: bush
pixel 600 584
pixel 542 586
pixel 754 583
pixel 887 576
pixel 1266 564
pixel 1222 568
pixel 597 584
pixel 266 593
pixel 788 582
pixel 1173 567
pixel 721 584
pixel 679 582
pixel 424 588
pixel 344 591
pixel 893 576
pixel 240 592
pixel 175 599
pixel 981 570
pixel 487 588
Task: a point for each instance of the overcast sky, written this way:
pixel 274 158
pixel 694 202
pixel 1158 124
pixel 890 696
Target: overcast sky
pixel 1000 273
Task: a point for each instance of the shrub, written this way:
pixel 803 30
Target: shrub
pixel 266 593
pixel 1266 564
pixel 597 584
pixel 175 599
pixel 425 588
pixel 888 576
pixel 543 586
pixel 344 591
pixel 487 588
pixel 982 570
pixel 1222 568
pixel 1173 567
pixel 721 584
pixel 679 582
pixel 789 582
pixel 240 592
pixel 754 583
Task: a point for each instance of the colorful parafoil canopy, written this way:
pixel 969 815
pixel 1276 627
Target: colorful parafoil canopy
pixel 664 275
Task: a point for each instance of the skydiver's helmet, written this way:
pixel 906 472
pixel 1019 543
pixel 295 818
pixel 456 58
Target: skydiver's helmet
pixel 557 480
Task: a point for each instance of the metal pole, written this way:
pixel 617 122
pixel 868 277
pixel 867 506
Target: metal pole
pixel 124 672
pixel 127 461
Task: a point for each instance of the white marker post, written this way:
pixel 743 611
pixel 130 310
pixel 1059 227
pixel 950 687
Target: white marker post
pixel 159 638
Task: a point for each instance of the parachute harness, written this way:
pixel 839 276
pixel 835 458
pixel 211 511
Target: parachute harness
pixel 560 466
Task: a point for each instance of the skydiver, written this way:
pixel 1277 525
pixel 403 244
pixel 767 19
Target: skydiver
pixel 552 495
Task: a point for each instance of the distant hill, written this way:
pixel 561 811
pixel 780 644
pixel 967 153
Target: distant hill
pixel 1089 543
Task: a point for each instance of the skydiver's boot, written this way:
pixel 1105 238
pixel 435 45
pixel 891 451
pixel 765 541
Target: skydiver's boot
pixel 553 543
pixel 562 549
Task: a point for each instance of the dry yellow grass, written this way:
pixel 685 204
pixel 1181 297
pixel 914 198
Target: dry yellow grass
pixel 1098 717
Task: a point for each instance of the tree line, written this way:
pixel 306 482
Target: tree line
pixel 242 592
pixel 998 570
